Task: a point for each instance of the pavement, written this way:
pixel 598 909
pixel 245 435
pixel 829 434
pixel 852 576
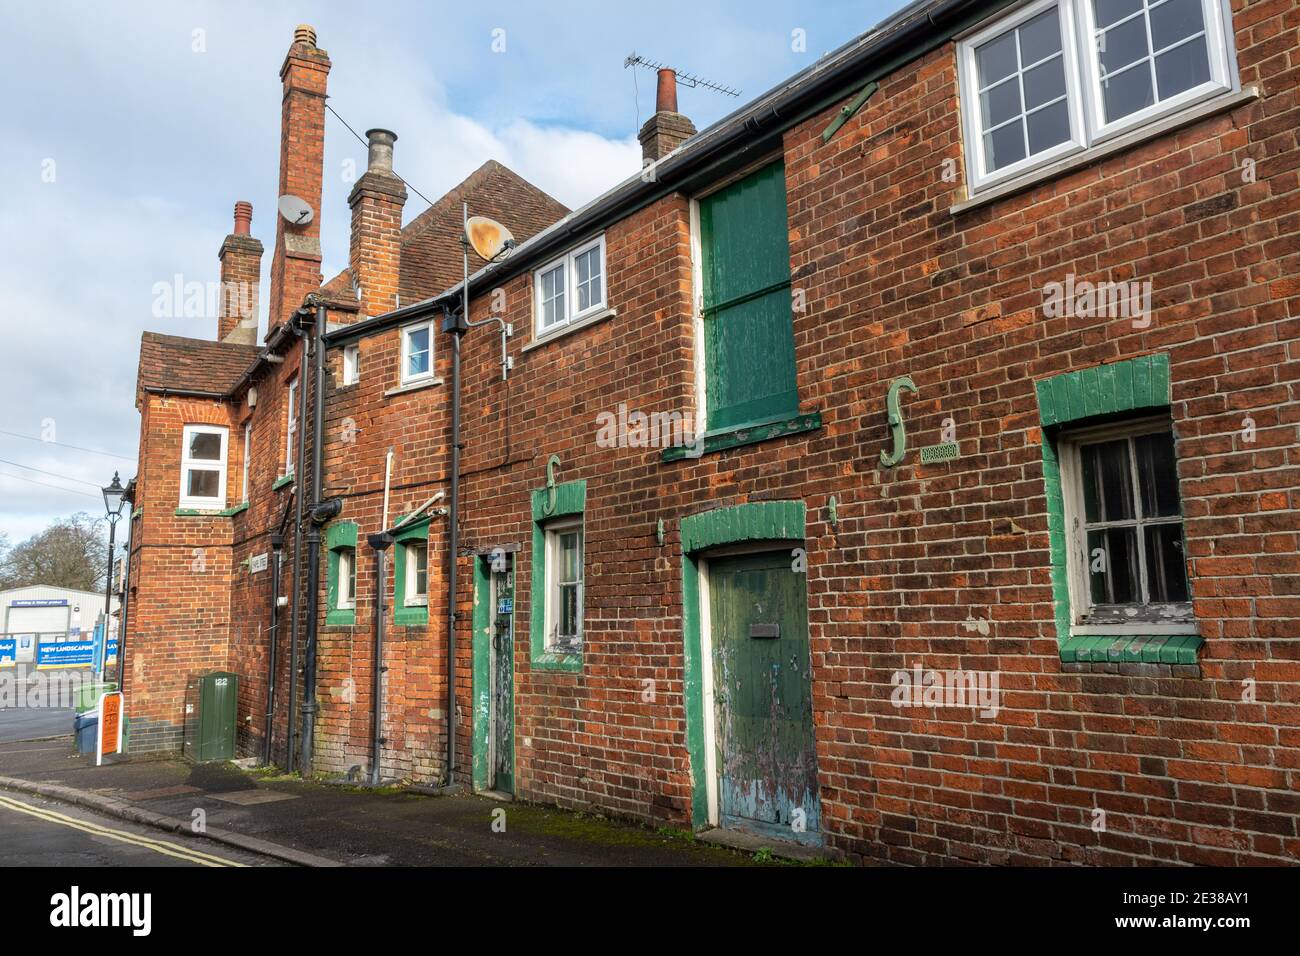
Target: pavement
pixel 35 831
pixel 312 823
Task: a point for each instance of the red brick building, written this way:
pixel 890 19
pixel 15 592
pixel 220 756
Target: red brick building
pixel 905 465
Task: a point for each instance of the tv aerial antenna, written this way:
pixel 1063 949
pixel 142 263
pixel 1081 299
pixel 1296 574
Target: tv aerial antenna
pixel 689 79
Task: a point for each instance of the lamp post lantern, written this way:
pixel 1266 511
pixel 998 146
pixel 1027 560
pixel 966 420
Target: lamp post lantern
pixel 114 495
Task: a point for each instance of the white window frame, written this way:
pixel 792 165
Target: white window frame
pixel 1222 62
pixel 407 379
pixel 203 464
pixel 1150 619
pixel 571 312
pixel 248 450
pixel 553 530
pixel 1082 85
pixel 410 597
pixel 291 424
pixel 351 364
pixel 347 592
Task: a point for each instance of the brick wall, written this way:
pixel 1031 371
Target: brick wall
pixel 895 283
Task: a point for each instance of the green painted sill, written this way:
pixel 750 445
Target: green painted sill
pixel 558 661
pixel 211 512
pixel 281 482
pixel 341 616
pixel 137 512
pixel 408 616
pixel 1132 649
pixel 751 434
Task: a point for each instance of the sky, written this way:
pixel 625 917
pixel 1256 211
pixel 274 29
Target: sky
pixel 131 128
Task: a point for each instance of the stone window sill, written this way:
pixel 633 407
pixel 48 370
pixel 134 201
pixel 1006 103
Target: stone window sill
pixel 746 435
pixel 1132 649
pixel 409 387
pixel 583 323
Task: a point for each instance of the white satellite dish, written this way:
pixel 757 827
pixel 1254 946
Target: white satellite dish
pixel 295 211
pixel 488 237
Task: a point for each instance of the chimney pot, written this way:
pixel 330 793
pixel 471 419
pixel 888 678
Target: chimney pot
pixel 380 154
pixel 243 217
pixel 666 94
pixel 305 33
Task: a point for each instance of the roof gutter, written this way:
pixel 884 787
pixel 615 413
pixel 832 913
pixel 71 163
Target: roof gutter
pixel 902 38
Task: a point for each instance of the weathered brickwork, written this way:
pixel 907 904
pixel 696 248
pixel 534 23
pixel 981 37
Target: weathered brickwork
pixel 942 566
pixel 894 282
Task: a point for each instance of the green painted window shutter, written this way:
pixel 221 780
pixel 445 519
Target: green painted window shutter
pixel 748 327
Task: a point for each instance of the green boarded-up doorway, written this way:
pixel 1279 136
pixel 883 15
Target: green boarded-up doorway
pixel 759 674
pixel 493 672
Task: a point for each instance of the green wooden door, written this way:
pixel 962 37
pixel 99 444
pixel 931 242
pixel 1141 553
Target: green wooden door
pixel 748 328
pixel 766 758
pixel 501 749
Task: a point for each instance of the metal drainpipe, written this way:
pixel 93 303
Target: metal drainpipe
pixel 453 510
pixel 313 540
pixel 380 542
pixel 277 547
pixel 126 594
pixel 297 553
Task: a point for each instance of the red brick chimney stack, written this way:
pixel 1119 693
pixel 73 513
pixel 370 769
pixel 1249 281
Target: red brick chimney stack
pixel 295 266
pixel 241 271
pixel 374 253
pixel 667 129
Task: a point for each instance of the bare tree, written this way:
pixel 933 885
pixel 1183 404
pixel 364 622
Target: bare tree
pixel 70 553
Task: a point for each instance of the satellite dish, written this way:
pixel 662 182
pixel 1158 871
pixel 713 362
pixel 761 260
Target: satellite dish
pixel 295 211
pixel 488 237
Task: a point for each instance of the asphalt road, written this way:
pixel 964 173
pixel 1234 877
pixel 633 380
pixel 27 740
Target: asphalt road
pixel 39 832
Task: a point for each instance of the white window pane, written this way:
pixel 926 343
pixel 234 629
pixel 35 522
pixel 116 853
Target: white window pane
pixel 1175 20
pixel 1000 103
pixel 1182 68
pixel 1044 83
pixel 1048 126
pixel 203 483
pixel 1111 11
pixel 417 351
pixel 205 446
pixel 1122 45
pixel 996 59
pixel 1004 146
pixel 1040 37
pixel 1127 92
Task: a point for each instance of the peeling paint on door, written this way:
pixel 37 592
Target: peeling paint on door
pixel 766 757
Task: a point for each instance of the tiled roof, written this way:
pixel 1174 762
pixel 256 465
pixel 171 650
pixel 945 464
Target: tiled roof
pixel 193 365
pixel 431 256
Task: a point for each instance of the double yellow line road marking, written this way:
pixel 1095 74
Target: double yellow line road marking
pixel 165 847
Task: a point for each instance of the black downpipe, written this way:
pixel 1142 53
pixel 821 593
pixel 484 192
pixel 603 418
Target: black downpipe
pixel 380 542
pixel 277 547
pixel 313 539
pixel 298 467
pixel 454 539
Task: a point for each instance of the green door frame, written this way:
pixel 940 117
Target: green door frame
pixel 753 522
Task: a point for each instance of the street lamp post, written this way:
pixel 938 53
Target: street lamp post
pixel 114 495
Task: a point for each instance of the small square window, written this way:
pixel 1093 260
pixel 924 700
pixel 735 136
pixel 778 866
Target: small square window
pixel 291 424
pixel 571 287
pixel 564 604
pixel 351 364
pixel 1124 522
pixel 347 589
pixel 417 352
pixel 417 574
pixel 203 467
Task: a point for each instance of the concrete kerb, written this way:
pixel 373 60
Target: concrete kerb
pixel 134 814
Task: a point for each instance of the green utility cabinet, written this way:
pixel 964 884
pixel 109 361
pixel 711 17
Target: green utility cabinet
pixel 210 708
